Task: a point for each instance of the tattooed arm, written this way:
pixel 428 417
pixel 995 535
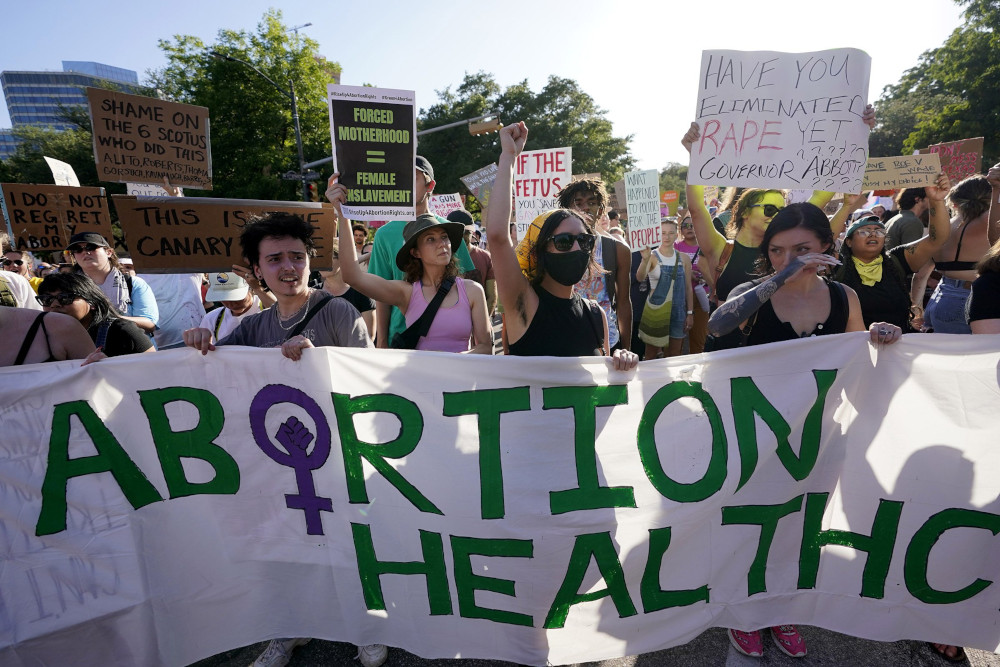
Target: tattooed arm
pixel 746 299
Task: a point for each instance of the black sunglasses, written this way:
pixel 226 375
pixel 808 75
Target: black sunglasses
pixel 15 262
pixel 64 299
pixel 770 210
pixel 89 247
pixel 564 242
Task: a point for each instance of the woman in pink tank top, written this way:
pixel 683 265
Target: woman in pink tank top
pixel 426 258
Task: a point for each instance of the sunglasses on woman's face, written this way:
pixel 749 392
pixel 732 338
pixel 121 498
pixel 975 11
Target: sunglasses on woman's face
pixel 89 247
pixel 770 210
pixel 564 242
pixel 64 299
pixel 8 262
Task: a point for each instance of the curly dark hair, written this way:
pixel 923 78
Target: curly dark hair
pixel 275 225
pixel 802 214
pixel 546 232
pixel 79 284
pixel 590 186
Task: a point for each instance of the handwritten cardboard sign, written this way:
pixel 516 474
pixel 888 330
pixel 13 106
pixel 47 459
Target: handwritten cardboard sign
pixel 44 217
pixel 642 197
pixel 171 234
pixel 148 190
pixel 782 120
pixel 442 205
pixel 373 131
pixel 144 140
pixel 480 183
pixel 596 176
pixel 905 171
pixel 539 177
pixel 959 159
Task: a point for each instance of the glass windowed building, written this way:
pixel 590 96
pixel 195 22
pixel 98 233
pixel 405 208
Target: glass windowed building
pixel 34 98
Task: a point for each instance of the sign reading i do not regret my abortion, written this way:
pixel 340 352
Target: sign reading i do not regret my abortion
pixel 373 131
pixel 782 120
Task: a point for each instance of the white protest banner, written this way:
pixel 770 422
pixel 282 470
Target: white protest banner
pixel 442 205
pixel 149 190
pixel 62 172
pixel 463 505
pixel 905 171
pixel 538 178
pixel 642 199
pixel 782 120
pixel 374 131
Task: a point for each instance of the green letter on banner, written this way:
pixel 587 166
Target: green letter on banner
pixel 110 457
pixel 371 569
pixel 915 565
pixel 767 517
pixel 589 494
pixel 597 546
pixel 411 426
pixel 197 443
pixel 714 477
pixel 489 404
pixel 655 598
pixel 467 583
pixel 879 545
pixel 748 401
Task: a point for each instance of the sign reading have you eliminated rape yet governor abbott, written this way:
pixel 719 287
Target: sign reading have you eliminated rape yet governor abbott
pixel 373 131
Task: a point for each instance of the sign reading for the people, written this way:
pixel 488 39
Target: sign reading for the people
pixel 959 159
pixel 782 120
pixel 374 149
pixel 44 217
pixel 144 140
pixel 539 176
pixel 642 199
pixel 538 511
pixel 904 171
pixel 442 205
pixel 184 234
pixel 480 183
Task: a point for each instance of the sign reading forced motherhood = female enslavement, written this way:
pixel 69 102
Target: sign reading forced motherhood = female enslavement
pixel 540 511
pixel 373 131
pixel 782 120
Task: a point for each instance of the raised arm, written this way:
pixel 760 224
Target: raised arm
pixel 393 292
pixel 839 221
pixel 710 240
pixel 919 252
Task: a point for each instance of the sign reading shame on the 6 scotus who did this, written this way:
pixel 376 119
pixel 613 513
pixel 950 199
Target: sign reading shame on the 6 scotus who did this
pixel 144 140
pixel 373 131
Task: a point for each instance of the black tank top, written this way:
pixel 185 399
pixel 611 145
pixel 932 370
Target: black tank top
pixel 955 264
pixel 561 328
pixel 769 329
pixel 888 300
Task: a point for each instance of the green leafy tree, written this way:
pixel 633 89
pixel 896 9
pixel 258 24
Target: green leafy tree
pixel 897 117
pixel 560 115
pixel 253 135
pixel 674 177
pixel 965 73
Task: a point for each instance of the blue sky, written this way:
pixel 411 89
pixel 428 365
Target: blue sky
pixel 639 61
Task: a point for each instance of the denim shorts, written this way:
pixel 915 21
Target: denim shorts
pixel 946 309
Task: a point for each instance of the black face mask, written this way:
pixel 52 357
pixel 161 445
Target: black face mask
pixel 567 268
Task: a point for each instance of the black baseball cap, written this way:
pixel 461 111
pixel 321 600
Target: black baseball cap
pixel 87 237
pixel 424 165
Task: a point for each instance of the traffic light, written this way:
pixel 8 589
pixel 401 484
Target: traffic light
pixel 313 192
pixel 486 126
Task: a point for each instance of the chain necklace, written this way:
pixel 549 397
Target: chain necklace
pixel 303 310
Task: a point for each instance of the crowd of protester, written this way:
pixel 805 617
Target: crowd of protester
pixel 749 270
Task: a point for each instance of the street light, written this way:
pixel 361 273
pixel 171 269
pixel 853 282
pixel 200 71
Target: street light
pixel 290 94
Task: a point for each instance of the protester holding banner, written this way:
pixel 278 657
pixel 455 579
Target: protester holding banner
pixel 544 316
pixel 76 295
pixel 431 268
pixel 130 295
pixel 668 314
pixel 957 258
pixel 882 278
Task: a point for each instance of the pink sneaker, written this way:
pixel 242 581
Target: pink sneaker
pixel 789 640
pixel 747 643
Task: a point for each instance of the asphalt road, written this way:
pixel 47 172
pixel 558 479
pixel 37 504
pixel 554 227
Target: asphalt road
pixel 710 648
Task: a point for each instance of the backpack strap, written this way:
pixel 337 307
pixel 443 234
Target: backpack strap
pixel 300 327
pixel 29 338
pixel 128 282
pixel 727 252
pixel 609 257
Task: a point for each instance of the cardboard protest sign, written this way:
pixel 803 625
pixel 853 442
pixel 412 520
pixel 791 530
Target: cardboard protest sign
pixel 62 172
pixel 905 171
pixel 711 192
pixel 373 131
pixel 642 199
pixel 782 120
pixel 465 505
pixel 442 205
pixel 185 234
pixel 44 217
pixel 144 140
pixel 148 190
pixel 618 202
pixel 959 159
pixel 480 183
pixel 538 178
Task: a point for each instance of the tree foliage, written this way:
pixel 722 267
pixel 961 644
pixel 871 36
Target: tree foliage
pixel 253 135
pixel 674 177
pixel 560 115
pixel 954 90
